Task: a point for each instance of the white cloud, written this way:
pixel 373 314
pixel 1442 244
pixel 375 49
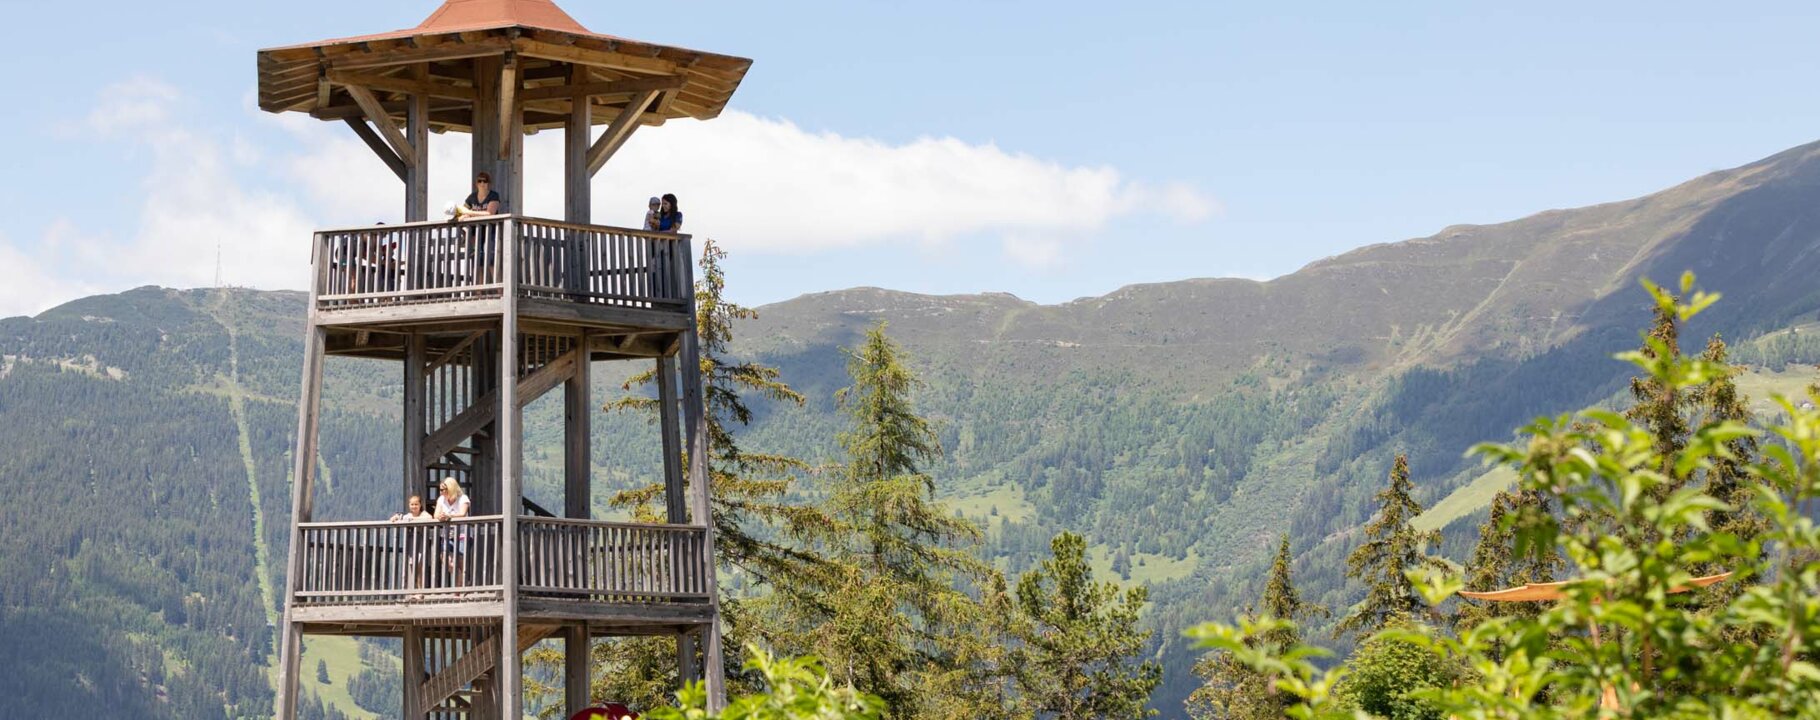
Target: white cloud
pixel 756 184
pixel 767 185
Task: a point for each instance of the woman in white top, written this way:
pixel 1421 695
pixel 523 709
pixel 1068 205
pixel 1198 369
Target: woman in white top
pixel 452 504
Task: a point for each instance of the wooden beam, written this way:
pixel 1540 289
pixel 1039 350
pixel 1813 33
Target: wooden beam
pixel 618 132
pixel 404 56
pixel 581 89
pixel 408 86
pixel 509 82
pixel 417 126
pixel 383 121
pixel 414 391
pixel 378 146
pixel 511 472
pixel 596 58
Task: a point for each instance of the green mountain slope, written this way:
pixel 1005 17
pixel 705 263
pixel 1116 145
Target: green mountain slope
pixel 1180 426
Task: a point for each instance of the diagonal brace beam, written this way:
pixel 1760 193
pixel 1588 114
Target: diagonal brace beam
pixel 616 134
pixel 370 106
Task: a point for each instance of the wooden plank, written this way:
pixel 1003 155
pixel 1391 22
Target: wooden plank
pixel 450 354
pixel 596 58
pixel 379 147
pixel 422 87
pixel 618 131
pixel 579 88
pixel 532 608
pixel 546 378
pixel 383 122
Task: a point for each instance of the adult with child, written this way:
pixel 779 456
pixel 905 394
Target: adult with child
pixel 669 216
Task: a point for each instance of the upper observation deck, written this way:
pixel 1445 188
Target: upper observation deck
pixel 428 273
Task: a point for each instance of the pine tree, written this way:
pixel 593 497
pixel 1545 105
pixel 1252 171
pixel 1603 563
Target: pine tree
pixel 322 671
pixel 1231 691
pixel 1658 407
pixel 1392 547
pixel 760 532
pixel 1078 640
pixel 1728 479
pixel 900 617
pixel 1500 559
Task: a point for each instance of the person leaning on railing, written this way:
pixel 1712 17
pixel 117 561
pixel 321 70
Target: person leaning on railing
pixel 414 551
pixel 482 202
pixel 450 505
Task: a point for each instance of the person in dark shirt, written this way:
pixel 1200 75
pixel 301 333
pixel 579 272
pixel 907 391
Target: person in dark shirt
pixel 484 200
pixel 669 217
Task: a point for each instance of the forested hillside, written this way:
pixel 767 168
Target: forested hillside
pixel 1180 427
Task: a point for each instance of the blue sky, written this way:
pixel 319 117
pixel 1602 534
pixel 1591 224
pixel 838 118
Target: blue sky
pixel 1052 150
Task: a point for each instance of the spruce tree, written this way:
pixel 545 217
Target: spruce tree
pixel 1232 691
pixel 1728 479
pixel 322 671
pixel 1391 549
pixel 1079 640
pixel 1658 407
pixel 900 618
pixel 1501 560
pixel 761 533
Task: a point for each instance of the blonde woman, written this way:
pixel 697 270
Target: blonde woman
pixel 450 505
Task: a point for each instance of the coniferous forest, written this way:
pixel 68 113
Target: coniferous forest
pixel 1104 474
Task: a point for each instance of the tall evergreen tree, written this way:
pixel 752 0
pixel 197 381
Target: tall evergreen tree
pixel 1232 691
pixel 1728 479
pixel 1392 548
pixel 1499 560
pixel 1659 406
pixel 1078 640
pixel 901 617
pixel 760 531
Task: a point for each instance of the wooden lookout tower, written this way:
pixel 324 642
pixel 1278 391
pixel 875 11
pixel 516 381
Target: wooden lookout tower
pixel 486 315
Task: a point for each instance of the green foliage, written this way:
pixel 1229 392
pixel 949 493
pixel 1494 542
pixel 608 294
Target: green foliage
pixel 1387 675
pixel 1231 690
pixel 1627 633
pixel 795 689
pixel 1385 561
pixel 1077 641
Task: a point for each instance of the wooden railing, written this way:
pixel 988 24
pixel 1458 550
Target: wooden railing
pixel 604 561
pixel 424 262
pixel 365 562
pixel 384 562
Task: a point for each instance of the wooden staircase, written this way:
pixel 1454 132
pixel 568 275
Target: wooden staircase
pixel 455 684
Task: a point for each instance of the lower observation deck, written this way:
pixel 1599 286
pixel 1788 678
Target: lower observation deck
pixel 375 578
pixel 387 276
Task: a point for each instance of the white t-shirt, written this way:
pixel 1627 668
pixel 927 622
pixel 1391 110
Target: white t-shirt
pixel 459 508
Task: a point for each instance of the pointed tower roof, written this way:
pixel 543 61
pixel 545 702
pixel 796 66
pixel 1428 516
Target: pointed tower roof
pixel 542 38
pixel 456 15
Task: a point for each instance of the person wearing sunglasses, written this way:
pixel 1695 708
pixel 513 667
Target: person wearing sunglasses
pixel 483 201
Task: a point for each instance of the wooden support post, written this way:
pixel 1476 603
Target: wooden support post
pixel 414 419
pixel 675 494
pixel 417 132
pixel 576 673
pixel 687 669
pixel 701 507
pixel 303 473
pixel 577 196
pixel 413 672
pixel 486 129
pixel 511 142
pixel 577 408
pixel 510 467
